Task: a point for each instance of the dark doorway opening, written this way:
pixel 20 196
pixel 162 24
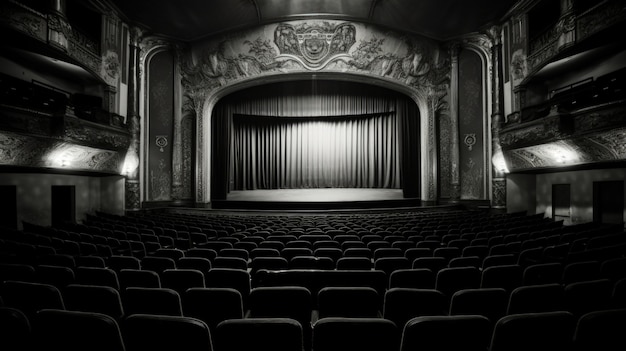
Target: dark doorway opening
pixel 63 204
pixel 561 202
pixel 8 206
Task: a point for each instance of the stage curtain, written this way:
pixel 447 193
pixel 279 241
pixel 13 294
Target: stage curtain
pixel 320 152
pixel 221 137
pixel 282 135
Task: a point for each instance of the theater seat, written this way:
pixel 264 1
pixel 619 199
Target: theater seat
pixel 412 278
pixel 488 302
pixel 362 334
pixel 31 297
pixel 15 330
pixel 94 298
pixel 164 333
pixel 76 331
pixel 212 305
pixel 182 279
pixel 401 304
pixel 348 302
pixel 159 301
pixel 135 278
pixel 275 334
pixel 601 330
pixel 435 333
pixel 536 298
pixel 546 331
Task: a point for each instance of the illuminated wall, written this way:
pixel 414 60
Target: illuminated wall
pixel 92 194
pixel 581 183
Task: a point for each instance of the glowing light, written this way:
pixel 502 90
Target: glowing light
pixel 131 162
pixel 562 153
pixel 60 158
pixel 499 163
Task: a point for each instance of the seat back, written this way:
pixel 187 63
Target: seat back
pixel 94 298
pixel 363 334
pixel 534 331
pixel 97 276
pixel 433 333
pixel 293 302
pixel 402 304
pixel 159 301
pixel 151 332
pixel 451 280
pixel 276 334
pixel 543 273
pixel 488 302
pixel 135 278
pixel 55 275
pixel 31 297
pixel 15 330
pixel 315 280
pixel 212 305
pixel 76 331
pixel 588 296
pixel 230 278
pixel 412 278
pixel 601 330
pixel 353 302
pixel 182 279
pixel 536 298
pixel 354 263
pixel 507 277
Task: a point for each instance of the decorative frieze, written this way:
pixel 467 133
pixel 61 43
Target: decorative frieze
pixel 600 17
pixel 25 20
pixel 32 151
pixel 596 136
pixel 95 135
pixel 563 126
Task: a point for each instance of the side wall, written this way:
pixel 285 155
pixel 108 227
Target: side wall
pixel 521 193
pixel 522 189
pixel 92 194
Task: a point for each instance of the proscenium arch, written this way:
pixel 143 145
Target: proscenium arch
pixel 204 122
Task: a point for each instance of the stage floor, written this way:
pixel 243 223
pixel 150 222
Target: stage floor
pixel 316 195
pixel 325 198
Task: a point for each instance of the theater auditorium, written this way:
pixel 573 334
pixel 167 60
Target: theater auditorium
pixel 313 175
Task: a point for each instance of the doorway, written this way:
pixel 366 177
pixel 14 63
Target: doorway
pixel 561 202
pixel 8 206
pixel 63 204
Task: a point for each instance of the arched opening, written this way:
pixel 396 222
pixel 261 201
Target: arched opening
pixel 315 133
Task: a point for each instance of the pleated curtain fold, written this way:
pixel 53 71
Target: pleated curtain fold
pixel 291 136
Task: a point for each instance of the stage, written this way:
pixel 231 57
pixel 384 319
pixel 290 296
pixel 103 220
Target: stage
pixel 316 199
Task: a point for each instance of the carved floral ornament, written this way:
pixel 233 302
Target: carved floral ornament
pixel 312 46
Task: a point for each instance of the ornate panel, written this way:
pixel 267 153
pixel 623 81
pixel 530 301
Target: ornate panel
pixel 30 151
pixel 24 20
pixel 607 145
pixel 444 156
pixel 90 134
pixel 187 125
pixel 599 18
